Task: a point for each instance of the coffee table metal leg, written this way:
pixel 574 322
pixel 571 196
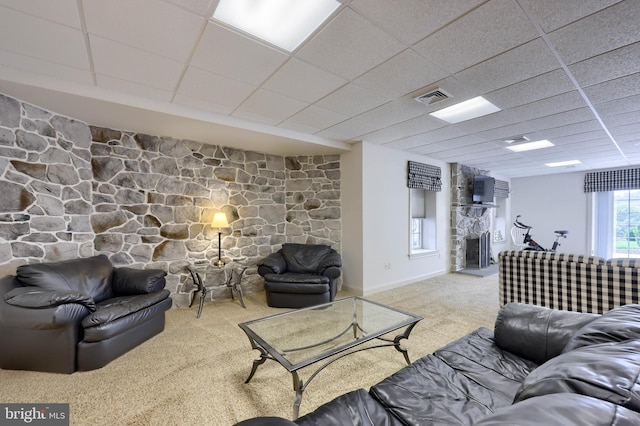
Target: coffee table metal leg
pixel 299 388
pixel 256 362
pixel 398 346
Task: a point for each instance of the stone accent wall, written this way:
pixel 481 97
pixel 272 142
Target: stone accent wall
pixel 466 220
pixel 74 190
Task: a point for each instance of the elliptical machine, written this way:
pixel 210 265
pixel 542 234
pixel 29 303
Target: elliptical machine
pixel 533 244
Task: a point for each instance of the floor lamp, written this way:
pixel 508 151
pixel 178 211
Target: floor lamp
pixel 219 221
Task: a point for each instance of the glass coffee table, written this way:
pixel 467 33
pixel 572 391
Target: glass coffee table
pixel 325 333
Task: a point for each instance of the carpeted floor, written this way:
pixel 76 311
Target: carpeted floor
pixel 193 373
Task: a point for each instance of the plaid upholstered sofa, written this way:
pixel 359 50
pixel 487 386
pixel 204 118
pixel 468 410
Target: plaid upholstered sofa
pixel 567 281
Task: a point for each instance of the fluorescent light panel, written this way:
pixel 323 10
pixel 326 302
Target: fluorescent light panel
pixel 284 23
pixel 529 146
pixel 473 108
pixel 564 163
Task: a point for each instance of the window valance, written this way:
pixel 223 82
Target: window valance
pixel 612 180
pixel 501 189
pixel 424 176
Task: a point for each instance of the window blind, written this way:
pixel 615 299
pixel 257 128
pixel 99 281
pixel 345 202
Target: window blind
pixel 424 176
pixel 501 189
pixel 612 180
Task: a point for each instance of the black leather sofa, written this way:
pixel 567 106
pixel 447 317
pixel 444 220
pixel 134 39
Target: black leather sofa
pixel 301 275
pixel 537 367
pixel 77 314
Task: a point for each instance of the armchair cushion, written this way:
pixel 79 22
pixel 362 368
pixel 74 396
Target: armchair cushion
pixel 91 276
pixel 292 278
pixel 118 307
pixel 34 297
pixel 137 281
pixel 304 258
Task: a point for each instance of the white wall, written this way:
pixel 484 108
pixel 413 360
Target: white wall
pixel 351 165
pixel 553 202
pixel 379 209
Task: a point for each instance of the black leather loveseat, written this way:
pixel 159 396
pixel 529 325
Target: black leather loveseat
pixel 77 314
pixel 538 367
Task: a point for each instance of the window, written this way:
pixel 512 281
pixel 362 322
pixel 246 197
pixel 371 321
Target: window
pixel 422 230
pixel 626 223
pixel 617 225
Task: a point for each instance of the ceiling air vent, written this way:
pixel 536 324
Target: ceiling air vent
pixel 433 96
pixel 516 139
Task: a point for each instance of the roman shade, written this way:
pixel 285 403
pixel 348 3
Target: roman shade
pixel 424 176
pixel 612 180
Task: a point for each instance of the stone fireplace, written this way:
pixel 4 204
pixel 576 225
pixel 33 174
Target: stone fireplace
pixel 468 221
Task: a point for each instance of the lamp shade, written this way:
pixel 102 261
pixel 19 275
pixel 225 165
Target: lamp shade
pixel 219 221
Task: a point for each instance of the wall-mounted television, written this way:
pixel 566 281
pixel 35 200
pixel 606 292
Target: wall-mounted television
pixel 483 189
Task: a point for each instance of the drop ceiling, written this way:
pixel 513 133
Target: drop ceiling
pixel 567 71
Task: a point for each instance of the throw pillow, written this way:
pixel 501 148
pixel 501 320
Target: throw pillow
pixel 617 325
pixel 607 371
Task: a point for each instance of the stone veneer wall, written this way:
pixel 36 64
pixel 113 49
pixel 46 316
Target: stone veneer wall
pixel 73 190
pixel 465 220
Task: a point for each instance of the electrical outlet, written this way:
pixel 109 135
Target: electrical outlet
pixel 387 265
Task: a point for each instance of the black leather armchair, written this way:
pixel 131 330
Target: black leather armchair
pixel 300 275
pixel 77 314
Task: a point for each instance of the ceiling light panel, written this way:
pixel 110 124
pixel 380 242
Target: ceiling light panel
pixel 284 23
pixel 529 146
pixel 564 163
pixel 467 110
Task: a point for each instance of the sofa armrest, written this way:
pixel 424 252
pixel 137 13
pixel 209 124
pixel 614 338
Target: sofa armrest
pixel 128 281
pixel 536 333
pixel 331 265
pixel 272 264
pixel 35 297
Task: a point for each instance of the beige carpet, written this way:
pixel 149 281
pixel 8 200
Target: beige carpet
pixel 193 373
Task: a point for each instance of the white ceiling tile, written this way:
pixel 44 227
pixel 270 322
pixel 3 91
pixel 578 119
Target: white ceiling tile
pixel 614 89
pixel 233 55
pixel 619 105
pixel 131 88
pixel 553 14
pixel 272 106
pixel 302 81
pixel 60 11
pixel 401 75
pixel 598 33
pixel 380 117
pixel 491 29
pixel 314 119
pixel 201 104
pixel 201 7
pixel 411 20
pixel 521 63
pixel 165 30
pixel 352 100
pixel 531 90
pixel 214 89
pixel 414 126
pixel 127 63
pixel 608 66
pixel 349 46
pixel 45 68
pixel 30 36
pixel 630 117
pixel 434 136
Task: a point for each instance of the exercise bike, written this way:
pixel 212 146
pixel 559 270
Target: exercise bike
pixel 533 244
